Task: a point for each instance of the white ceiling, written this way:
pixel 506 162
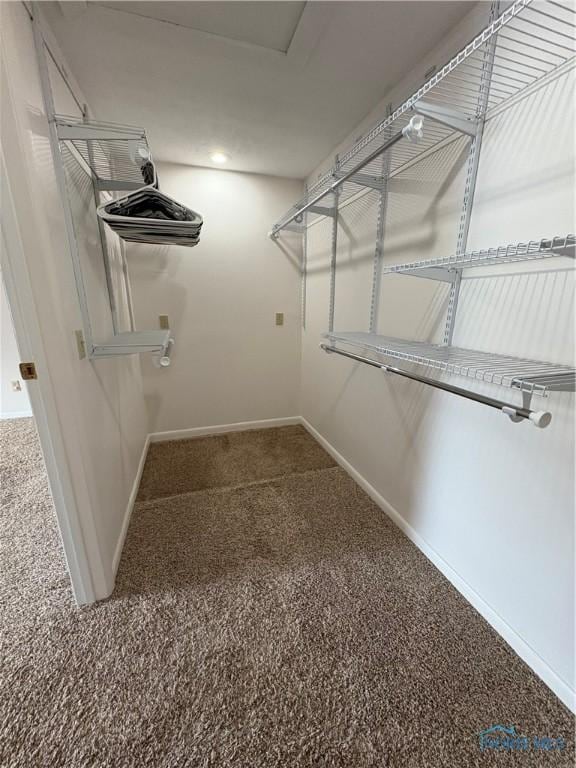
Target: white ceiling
pixel 268 24
pixel 275 85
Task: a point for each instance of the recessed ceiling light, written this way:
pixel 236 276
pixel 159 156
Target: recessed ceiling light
pixel 219 157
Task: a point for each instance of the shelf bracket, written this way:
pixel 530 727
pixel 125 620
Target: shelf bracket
pixel 567 249
pixel 431 273
pixel 298 228
pixel 322 210
pixel 539 418
pixel 364 180
pixel 446 116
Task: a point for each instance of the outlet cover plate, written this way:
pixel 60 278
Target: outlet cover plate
pixel 80 344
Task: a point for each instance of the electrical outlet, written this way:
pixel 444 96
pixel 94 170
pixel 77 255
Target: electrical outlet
pixel 16 386
pixel 279 318
pixel 80 345
pixel 164 322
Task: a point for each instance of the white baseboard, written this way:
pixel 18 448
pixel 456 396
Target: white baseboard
pixel 239 426
pixel 130 507
pixel 536 663
pixel 16 415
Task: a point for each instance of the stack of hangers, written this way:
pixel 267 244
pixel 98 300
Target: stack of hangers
pixel 149 216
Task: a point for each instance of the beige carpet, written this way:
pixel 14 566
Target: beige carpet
pixel 277 620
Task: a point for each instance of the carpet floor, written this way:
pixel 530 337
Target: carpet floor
pixel 266 615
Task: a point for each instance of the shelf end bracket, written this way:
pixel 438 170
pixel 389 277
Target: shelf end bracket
pixel 446 116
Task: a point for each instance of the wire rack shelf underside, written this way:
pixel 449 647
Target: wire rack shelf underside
pixel 535 249
pixel 531 41
pixel 532 376
pixel 113 152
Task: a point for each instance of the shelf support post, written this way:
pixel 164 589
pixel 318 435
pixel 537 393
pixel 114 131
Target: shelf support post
pixel 304 267
pixel 472 172
pixel 102 235
pixel 333 254
pixel 380 229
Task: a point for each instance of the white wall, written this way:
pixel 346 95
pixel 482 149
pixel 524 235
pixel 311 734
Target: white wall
pixel 12 404
pixel 493 501
pixel 100 404
pixel 230 363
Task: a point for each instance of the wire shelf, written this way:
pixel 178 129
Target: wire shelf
pixel 531 40
pixel 532 376
pixel 117 155
pixel 134 342
pixel 535 249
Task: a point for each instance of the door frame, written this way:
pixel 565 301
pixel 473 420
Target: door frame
pixel 30 343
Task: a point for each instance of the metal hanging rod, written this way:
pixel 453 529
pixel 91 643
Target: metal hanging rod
pixel 538 418
pixel 412 132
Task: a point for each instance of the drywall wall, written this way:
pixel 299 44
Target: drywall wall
pixel 231 362
pixel 100 404
pixel 493 501
pixel 13 403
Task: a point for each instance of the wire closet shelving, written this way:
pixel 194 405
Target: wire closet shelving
pixel 524 47
pixel 445 268
pixel 530 376
pixel 111 152
pixel 521 57
pixel 115 158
